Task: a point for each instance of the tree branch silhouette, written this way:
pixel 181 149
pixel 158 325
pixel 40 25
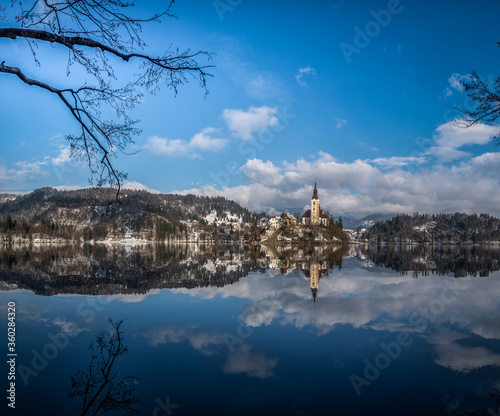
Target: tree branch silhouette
pixel 486 99
pixel 98 385
pixel 104 28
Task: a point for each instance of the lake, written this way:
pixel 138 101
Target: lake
pixel 260 330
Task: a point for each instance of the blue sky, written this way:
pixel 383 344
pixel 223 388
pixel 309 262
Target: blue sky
pixel 300 92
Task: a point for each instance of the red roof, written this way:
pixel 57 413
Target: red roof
pixel 307 214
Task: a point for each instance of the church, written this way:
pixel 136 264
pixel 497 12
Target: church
pixel 315 215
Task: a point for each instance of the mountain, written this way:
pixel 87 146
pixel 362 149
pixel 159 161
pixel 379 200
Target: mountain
pixel 7 197
pixel 370 220
pixel 349 222
pixel 438 228
pixel 94 214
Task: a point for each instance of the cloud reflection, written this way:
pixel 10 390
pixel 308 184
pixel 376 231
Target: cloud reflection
pixel 379 300
pixel 244 361
pixel 203 341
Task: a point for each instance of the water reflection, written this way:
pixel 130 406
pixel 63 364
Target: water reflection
pixel 291 321
pixel 98 386
pixel 100 269
pixel 418 260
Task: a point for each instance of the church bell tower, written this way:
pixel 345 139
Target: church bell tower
pixel 315 206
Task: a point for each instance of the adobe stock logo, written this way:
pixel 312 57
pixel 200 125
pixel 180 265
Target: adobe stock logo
pixel 223 6
pixel 363 37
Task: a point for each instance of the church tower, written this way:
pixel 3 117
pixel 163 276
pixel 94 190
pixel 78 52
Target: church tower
pixel 315 207
pixel 314 279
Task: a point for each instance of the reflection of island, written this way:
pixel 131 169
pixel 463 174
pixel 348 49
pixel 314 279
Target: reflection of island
pixel 105 270
pixel 424 260
pixel 314 262
pixel 108 270
pixel 315 271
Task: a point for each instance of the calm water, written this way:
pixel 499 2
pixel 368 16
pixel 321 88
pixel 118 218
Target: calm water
pixel 228 331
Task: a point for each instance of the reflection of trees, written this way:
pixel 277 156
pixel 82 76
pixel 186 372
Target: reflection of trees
pixel 99 386
pixel 461 261
pixel 103 270
pixel 286 258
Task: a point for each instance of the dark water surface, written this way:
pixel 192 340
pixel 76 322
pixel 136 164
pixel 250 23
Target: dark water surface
pixel 237 331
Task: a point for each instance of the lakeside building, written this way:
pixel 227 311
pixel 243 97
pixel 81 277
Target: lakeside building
pixel 315 215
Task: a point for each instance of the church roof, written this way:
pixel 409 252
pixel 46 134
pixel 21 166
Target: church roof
pixel 307 214
pixel 315 192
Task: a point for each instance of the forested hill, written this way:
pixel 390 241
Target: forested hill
pixel 93 213
pixel 440 228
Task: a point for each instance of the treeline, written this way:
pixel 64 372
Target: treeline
pixel 458 228
pixel 26 228
pixel 336 229
pixel 93 214
pixel 461 261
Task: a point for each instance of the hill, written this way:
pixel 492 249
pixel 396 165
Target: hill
pixel 441 228
pixel 94 214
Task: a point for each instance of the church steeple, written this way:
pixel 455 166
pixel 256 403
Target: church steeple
pixel 315 192
pixel 315 207
pixel 314 292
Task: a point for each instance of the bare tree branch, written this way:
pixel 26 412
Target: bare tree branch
pixel 99 386
pixel 105 28
pixel 88 145
pixel 486 100
pixel 170 62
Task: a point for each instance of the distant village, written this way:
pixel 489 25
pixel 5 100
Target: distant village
pixel 313 216
pixel 286 228
pixel 277 229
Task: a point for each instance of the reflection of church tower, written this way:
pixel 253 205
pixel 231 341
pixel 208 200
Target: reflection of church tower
pixel 315 206
pixel 314 277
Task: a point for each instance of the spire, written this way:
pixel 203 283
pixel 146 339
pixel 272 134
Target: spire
pixel 314 294
pixel 315 192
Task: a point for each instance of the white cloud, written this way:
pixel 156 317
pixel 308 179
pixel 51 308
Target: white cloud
pixel 22 171
pixel 363 187
pixel 397 161
pixel 447 153
pixel 455 81
pixel 69 187
pixel 339 122
pixel 302 72
pixel 28 170
pixel 397 184
pixel 265 172
pixel 452 135
pixel 201 141
pixel 134 185
pixel 244 123
pixel 63 157
pixel 447 93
